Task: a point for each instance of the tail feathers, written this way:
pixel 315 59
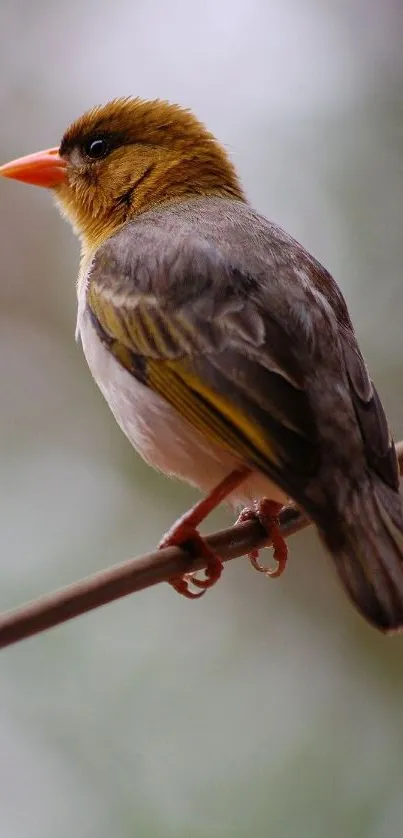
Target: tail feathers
pixel 369 555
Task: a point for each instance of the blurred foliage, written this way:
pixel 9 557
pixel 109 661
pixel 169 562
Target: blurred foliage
pixel 267 708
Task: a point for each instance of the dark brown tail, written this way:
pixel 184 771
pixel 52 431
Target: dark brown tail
pixel 369 554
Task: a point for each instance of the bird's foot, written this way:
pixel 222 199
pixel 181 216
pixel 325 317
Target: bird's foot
pixel 266 512
pixel 184 535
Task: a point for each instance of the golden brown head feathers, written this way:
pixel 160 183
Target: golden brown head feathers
pixel 127 156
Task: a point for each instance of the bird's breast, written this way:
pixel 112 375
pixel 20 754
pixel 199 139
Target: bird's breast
pixel 154 428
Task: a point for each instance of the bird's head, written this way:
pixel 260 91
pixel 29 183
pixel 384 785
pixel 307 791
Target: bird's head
pixel 124 158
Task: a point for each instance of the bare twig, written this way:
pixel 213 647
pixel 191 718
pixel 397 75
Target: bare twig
pixel 136 574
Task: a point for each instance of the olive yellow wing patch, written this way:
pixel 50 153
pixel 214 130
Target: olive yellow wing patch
pixel 216 417
pixel 180 361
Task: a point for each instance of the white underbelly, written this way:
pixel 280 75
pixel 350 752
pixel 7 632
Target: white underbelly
pixel 162 437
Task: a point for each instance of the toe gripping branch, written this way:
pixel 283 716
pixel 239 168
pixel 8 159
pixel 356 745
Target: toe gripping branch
pixel 267 511
pixel 184 533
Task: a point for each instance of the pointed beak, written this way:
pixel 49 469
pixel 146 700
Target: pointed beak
pixel 44 168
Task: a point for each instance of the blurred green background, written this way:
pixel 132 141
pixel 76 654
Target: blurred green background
pixel 265 709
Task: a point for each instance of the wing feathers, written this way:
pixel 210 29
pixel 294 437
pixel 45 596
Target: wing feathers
pixel 379 448
pixel 244 405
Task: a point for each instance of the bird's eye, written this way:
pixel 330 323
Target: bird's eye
pixel 96 148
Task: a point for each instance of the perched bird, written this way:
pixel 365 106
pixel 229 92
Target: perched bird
pixel 224 350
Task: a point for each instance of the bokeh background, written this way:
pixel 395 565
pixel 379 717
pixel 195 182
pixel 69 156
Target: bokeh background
pixel 266 709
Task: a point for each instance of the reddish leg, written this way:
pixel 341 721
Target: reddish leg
pixel 266 511
pixel 185 533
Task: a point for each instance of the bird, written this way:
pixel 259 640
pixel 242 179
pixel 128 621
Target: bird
pixel 225 350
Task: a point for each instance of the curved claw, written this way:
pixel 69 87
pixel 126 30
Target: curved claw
pixel 270 572
pixel 205 583
pixel 266 512
pixel 191 540
pixel 181 586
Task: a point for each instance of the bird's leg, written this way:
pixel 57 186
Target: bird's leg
pixel 184 533
pixel 266 511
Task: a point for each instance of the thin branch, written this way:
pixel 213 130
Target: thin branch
pixel 136 574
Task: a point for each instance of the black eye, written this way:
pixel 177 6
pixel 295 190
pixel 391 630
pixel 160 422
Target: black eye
pixel 96 148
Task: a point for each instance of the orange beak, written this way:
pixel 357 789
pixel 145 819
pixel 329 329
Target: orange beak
pixel 44 168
